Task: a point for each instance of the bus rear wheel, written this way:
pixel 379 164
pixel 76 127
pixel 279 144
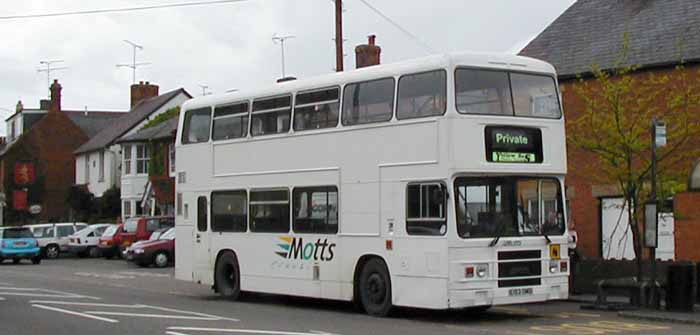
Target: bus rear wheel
pixel 228 277
pixel 375 288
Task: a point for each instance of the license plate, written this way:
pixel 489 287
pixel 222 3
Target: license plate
pixel 20 244
pixel 515 292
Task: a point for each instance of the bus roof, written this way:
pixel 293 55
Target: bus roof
pixel 485 60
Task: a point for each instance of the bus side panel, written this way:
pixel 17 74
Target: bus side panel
pixel 184 250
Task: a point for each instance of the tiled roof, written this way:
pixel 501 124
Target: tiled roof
pixel 163 130
pixel 590 32
pixel 92 122
pixel 120 126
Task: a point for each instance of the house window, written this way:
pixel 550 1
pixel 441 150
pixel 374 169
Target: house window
pixel 142 159
pixel 102 165
pixel 127 209
pixel 127 160
pixel 87 169
pixel 12 130
pixel 171 149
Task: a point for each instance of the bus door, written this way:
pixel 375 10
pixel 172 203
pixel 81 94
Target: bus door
pixel 202 266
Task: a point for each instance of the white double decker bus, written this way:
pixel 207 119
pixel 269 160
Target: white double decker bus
pixel 433 183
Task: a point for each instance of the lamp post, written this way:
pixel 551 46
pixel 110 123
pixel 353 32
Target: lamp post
pixel 651 216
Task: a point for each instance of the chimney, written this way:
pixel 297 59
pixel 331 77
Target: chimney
pixel 55 97
pixel 20 107
pixel 367 54
pixel 142 91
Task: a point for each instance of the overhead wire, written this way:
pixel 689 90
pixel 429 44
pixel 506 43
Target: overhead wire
pixel 415 38
pixel 119 10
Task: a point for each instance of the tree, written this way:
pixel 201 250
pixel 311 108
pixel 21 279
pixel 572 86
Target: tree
pixel 613 125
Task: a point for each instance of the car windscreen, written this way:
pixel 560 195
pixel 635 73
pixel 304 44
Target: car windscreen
pixel 110 231
pixel 168 235
pixel 17 233
pixel 131 225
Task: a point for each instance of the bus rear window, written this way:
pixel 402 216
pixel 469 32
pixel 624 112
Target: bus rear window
pixel 196 126
pixel 368 102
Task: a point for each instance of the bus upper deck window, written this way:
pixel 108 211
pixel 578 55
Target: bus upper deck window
pixel 196 126
pixel 368 102
pixel 535 95
pixel 317 109
pixel 271 115
pixel 422 94
pixel 230 121
pixel 483 92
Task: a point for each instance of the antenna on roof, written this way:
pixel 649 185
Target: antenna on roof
pixel 48 69
pixel 204 89
pixel 280 40
pixel 134 64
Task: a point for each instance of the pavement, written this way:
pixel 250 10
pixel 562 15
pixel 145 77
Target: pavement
pixel 693 318
pixel 106 297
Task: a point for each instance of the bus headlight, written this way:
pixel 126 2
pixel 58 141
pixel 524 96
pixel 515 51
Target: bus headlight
pixel 553 266
pixel 482 270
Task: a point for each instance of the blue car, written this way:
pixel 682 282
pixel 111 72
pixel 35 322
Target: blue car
pixel 17 244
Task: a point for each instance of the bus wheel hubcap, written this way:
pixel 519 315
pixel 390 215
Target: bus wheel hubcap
pixel 376 289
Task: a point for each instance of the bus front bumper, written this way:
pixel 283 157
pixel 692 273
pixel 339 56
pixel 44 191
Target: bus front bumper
pixel 506 296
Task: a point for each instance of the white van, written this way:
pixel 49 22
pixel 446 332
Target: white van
pixel 84 242
pixel 53 237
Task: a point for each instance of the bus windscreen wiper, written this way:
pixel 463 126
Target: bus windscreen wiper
pixel 499 232
pixel 546 237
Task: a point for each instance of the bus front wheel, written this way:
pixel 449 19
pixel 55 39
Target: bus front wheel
pixel 375 288
pixel 228 278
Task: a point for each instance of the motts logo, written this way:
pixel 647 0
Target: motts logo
pixel 294 248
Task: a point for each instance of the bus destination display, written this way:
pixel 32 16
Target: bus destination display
pixel 513 145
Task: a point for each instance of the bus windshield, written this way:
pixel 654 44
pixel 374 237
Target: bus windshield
pixel 506 93
pixel 508 206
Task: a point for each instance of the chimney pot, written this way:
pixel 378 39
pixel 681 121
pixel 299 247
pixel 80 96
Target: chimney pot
pixel 142 91
pixel 20 107
pixel 368 54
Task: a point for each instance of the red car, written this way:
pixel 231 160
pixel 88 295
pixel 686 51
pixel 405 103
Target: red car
pixel 133 230
pixel 160 252
pixel 107 244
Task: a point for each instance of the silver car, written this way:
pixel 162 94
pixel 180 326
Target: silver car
pixel 54 238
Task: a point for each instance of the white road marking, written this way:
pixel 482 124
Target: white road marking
pixel 165 309
pixel 61 310
pixel 71 303
pixel 244 331
pixel 188 315
pixel 153 316
pixel 174 333
pixel 144 274
pixel 1 298
pixel 41 293
pixel 105 276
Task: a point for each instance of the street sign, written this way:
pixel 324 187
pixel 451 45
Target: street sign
pixel 651 222
pixel 660 132
pixel 35 209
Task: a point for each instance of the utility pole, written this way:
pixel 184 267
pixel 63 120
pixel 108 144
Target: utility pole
pixel 339 35
pixel 48 68
pixel 133 64
pixel 280 40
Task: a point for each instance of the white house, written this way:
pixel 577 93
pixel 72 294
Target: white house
pixel 101 164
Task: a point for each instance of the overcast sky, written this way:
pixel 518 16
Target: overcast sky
pixel 229 46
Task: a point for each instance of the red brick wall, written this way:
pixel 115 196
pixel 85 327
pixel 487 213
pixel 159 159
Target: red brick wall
pixel 585 189
pixel 686 208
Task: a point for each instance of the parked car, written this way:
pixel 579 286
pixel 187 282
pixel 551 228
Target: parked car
pixel 106 244
pixel 84 242
pixel 114 242
pixel 53 237
pixel 17 244
pixel 159 252
pixel 140 229
pixel 154 236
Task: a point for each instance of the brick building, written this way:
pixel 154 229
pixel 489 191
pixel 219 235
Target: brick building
pixel 660 34
pixel 36 166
